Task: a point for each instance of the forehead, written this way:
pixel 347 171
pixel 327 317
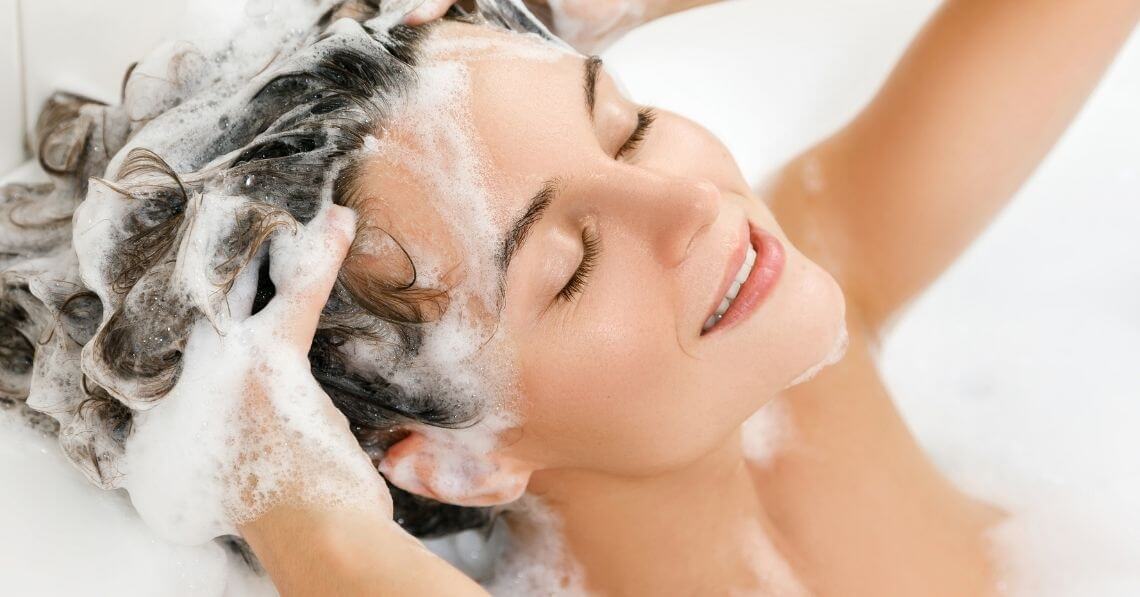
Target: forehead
pixel 492 116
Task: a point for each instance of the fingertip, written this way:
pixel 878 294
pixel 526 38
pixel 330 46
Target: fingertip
pixel 425 12
pixel 280 239
pixel 305 260
pixel 341 226
pixel 414 17
pixel 340 212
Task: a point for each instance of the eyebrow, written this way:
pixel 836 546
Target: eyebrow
pixel 517 235
pixel 541 200
pixel 593 65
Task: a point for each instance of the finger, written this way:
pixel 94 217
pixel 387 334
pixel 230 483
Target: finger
pixel 303 266
pixel 242 294
pixel 430 10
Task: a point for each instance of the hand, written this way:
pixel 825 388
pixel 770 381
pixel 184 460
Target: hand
pixel 588 25
pixel 247 429
pixel 593 25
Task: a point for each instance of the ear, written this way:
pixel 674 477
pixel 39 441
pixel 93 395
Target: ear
pixel 453 472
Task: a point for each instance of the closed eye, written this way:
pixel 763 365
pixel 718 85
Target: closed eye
pixel 645 118
pixel 591 246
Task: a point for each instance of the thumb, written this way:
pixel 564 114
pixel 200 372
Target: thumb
pixel 429 10
pixel 303 265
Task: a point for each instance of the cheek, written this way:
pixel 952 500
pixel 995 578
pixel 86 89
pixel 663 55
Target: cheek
pixel 687 149
pixel 797 329
pixel 613 390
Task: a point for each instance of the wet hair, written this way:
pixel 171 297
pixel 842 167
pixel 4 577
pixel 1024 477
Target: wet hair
pixel 89 342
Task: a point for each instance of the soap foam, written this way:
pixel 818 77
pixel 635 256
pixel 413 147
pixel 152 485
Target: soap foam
pixel 460 355
pixel 534 560
pixel 246 427
pixel 529 47
pixel 54 521
pixel 767 431
pixel 776 576
pixel 838 350
pixel 592 26
pixel 176 102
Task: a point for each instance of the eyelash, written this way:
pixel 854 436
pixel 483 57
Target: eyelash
pixel 591 244
pixel 645 118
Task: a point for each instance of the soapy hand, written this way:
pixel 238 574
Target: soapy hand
pixel 588 25
pixel 246 428
pixel 593 25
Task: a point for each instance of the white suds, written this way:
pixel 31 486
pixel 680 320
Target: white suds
pixel 371 144
pixel 529 47
pixel 392 12
pixel 537 562
pixel 837 352
pixel 776 576
pixel 765 432
pixel 812 175
pixel 523 555
pixel 246 427
pixel 592 26
pixel 53 520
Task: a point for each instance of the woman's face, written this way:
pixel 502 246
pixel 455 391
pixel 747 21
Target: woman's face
pixel 613 369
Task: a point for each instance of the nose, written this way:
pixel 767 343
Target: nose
pixel 672 211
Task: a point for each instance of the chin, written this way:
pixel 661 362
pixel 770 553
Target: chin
pixel 825 337
pixel 800 331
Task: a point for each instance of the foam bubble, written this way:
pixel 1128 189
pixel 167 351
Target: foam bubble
pixel 592 26
pixel 53 520
pixel 838 350
pixel 776 576
pixel 459 356
pixel 529 47
pixel 766 431
pixel 534 560
pixel 246 427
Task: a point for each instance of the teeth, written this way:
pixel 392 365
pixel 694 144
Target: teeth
pixel 733 289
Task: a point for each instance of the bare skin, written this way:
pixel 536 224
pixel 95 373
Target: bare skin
pixel 851 503
pixel 927 165
pixel 976 103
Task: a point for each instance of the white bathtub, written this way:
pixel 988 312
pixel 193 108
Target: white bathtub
pixel 1018 370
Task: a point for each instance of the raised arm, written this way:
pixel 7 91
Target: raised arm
pixel 975 104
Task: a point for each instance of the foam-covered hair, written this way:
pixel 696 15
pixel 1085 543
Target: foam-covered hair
pixel 150 216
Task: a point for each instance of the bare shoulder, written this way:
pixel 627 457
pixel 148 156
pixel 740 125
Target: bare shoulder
pixel 861 508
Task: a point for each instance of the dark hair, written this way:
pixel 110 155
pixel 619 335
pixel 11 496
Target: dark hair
pixel 88 353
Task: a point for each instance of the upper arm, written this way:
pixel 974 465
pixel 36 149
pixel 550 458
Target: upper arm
pixel 971 109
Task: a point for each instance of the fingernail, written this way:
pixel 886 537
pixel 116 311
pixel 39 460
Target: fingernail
pixel 416 15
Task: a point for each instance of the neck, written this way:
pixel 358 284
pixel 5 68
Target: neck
pixel 677 533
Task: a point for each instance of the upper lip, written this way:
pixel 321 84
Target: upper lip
pixel 732 267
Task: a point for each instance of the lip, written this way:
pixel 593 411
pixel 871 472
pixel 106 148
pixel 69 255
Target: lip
pixel 761 280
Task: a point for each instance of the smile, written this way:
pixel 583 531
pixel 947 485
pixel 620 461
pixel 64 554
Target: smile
pixel 755 276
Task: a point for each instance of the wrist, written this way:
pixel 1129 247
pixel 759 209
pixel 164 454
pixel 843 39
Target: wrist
pixel 305 547
pixel 310 551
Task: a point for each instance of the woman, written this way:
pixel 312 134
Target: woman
pixel 565 303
